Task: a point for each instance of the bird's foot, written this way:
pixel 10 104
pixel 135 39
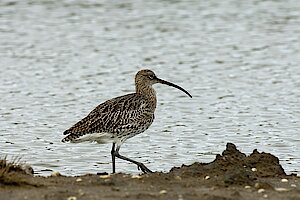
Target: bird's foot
pixel 144 169
pixel 102 173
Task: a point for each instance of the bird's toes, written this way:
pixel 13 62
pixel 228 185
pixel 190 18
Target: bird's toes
pixel 144 169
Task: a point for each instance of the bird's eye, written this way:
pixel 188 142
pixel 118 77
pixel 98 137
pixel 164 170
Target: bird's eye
pixel 151 76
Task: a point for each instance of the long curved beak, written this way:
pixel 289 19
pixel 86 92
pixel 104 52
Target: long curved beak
pixel 173 85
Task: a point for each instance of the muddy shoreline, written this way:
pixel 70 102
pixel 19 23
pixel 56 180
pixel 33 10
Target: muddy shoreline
pixel 232 175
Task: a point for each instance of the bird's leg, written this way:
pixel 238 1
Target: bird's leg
pixel 113 157
pixel 140 165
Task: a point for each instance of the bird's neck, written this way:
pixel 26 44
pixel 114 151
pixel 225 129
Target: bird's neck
pixel 149 92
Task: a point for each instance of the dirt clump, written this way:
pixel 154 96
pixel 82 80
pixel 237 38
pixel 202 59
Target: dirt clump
pixel 234 167
pixel 11 172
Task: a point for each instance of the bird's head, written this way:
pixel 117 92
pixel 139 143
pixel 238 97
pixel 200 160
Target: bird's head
pixel 147 77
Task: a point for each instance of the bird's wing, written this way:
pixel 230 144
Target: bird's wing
pixel 111 115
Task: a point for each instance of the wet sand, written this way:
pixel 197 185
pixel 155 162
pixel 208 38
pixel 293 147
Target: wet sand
pixel 232 175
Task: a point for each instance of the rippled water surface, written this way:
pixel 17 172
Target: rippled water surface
pixel 239 59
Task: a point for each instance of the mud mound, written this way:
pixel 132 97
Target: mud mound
pixel 234 167
pixel 11 173
pixel 7 167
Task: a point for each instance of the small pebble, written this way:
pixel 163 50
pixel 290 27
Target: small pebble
pixel 261 191
pixel 247 187
pixel 293 185
pixel 257 186
pixel 207 177
pixel 254 169
pixel 79 180
pixel 104 176
pixel 81 193
pixel 55 174
pixel 136 176
pixel 180 197
pixel 284 180
pixel 163 192
pixel 178 178
pixel 72 198
pixel 281 189
pixel 265 196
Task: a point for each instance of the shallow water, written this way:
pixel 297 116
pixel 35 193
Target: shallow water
pixel 240 61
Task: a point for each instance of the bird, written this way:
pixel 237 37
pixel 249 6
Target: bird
pixel 118 119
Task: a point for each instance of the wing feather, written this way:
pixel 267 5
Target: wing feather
pixel 111 116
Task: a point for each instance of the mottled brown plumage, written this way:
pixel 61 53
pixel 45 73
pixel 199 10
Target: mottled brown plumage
pixel 120 118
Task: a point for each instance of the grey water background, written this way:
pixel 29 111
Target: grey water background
pixel 239 59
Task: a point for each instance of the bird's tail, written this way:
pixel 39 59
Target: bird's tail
pixel 68 138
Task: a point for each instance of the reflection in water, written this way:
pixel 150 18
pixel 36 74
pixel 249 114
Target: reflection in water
pixel 239 61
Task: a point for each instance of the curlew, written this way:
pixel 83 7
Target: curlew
pixel 121 118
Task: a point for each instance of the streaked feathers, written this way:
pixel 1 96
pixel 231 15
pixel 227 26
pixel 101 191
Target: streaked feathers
pixel 129 113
